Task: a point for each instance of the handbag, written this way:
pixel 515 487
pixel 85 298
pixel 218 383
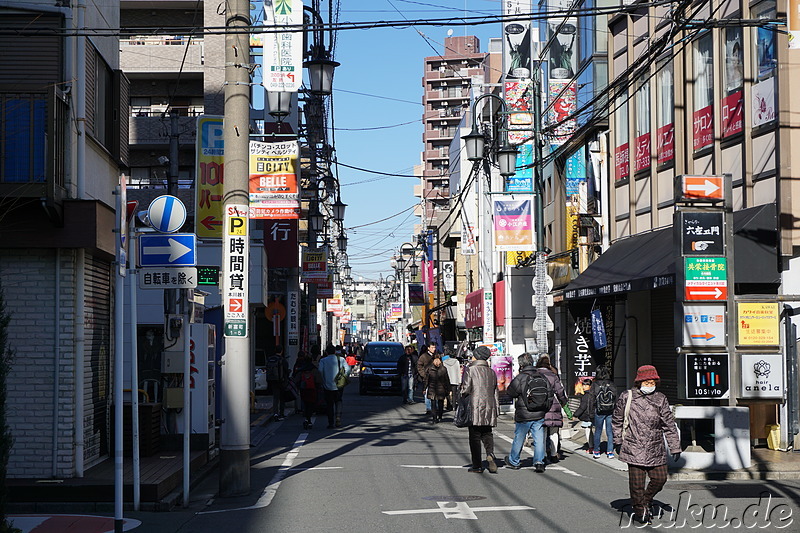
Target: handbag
pixel 463 414
pixel 341 380
pixel 625 421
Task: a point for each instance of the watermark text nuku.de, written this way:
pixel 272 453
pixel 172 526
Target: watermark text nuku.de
pixel 688 515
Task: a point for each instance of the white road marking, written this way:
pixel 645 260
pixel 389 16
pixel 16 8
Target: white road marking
pixel 430 466
pixel 460 510
pixel 303 469
pixel 549 467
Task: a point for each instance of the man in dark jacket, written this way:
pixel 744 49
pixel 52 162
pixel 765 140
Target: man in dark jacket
pixel 425 360
pixel 526 421
pixel 406 368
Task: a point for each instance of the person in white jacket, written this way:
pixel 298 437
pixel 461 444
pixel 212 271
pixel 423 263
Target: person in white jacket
pixel 453 367
pixel 328 367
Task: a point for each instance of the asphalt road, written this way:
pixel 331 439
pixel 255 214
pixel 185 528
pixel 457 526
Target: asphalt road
pixel 389 470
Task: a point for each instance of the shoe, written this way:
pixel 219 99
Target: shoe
pixel 492 464
pixel 590 451
pixel 610 455
pixel 538 468
pixel 509 465
pixel 554 459
pixel 474 470
pixel 597 455
pixel 338 422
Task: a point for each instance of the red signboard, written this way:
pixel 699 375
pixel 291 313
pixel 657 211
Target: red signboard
pixel 500 303
pixel 732 119
pixel 716 292
pixel 473 309
pixel 703 127
pixel 280 242
pixel 641 159
pixel 324 290
pixel 622 167
pixel 665 144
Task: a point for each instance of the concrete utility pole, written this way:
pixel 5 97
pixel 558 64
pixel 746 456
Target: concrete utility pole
pixel 234 476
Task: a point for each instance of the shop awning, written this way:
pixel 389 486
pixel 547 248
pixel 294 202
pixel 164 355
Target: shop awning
pixel 647 261
pixel 638 263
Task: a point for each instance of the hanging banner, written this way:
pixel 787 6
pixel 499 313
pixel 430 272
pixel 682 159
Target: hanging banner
pixel 449 275
pixel 280 243
pixel 395 310
pixel 518 97
pixel 335 306
pixel 324 290
pixel 283 50
pixel 416 294
pixel 314 266
pixel 517 41
pixel 209 169
pixel 273 180
pixel 513 224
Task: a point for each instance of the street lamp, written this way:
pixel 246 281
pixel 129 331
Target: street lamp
pixel 341 241
pixel 338 208
pixel 280 104
pixel 474 142
pixel 320 65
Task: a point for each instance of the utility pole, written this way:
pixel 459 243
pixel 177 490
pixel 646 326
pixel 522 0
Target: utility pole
pixel 234 477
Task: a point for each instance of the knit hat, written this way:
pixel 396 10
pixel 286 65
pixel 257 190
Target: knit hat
pixel 646 372
pixel 482 352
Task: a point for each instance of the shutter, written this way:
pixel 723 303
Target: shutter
pixel 662 337
pixel 91 85
pixel 121 117
pixel 97 360
pixel 31 62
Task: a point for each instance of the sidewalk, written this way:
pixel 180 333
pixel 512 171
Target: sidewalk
pixel 767 464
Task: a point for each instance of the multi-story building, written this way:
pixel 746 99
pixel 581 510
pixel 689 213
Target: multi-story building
pixel 63 100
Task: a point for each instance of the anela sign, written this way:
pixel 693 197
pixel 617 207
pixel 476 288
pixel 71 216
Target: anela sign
pixel 762 376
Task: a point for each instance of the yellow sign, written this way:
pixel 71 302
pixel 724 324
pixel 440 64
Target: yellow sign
pixel 515 258
pixel 210 170
pixel 237 226
pixel 758 323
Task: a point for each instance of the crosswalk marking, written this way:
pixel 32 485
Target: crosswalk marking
pixel 549 467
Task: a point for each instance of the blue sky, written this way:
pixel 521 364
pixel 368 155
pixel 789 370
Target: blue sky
pixel 380 129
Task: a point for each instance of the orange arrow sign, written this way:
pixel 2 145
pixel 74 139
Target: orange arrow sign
pixel 706 336
pixel 703 187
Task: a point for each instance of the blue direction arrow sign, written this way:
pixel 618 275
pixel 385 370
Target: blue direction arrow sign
pixel 177 249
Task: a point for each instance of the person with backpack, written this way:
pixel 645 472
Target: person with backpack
pixel 602 399
pixel 309 383
pixel 533 396
pixel 553 419
pixel 642 422
pixel 276 370
pixel 480 385
pixel 331 367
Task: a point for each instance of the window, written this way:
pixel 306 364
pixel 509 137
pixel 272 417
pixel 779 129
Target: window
pixel 703 110
pixel 765 66
pixel 103 109
pixel 665 123
pixel 22 137
pixel 733 81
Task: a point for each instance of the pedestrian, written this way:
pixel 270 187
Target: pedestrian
pixel 480 384
pixel 642 420
pixel 553 420
pixel 438 387
pixel 276 370
pixel 406 368
pixel 602 400
pixel 423 362
pixel 529 414
pixel 309 382
pixel 583 413
pixel 453 367
pixel 329 367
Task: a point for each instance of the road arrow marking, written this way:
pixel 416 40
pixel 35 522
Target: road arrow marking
pixel 175 250
pixel 460 510
pixel 707 188
pixel 707 336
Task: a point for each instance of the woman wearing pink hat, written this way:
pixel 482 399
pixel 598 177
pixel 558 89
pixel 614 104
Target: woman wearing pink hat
pixel 641 419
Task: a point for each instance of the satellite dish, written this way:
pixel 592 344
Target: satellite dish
pixel 449 33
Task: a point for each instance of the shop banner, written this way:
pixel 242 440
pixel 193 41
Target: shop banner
pixel 314 265
pixel 665 144
pixel 703 127
pixel 280 243
pixel 517 39
pixel 283 50
pixel 273 180
pixel 473 309
pixel 513 224
pixel 416 294
pixel 732 114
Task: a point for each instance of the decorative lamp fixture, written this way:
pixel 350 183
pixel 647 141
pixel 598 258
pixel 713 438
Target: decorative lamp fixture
pixel 320 73
pixel 316 220
pixel 401 262
pixel 347 270
pixel 414 269
pixel 341 242
pixel 507 159
pixel 280 103
pixel 339 207
pixel 474 144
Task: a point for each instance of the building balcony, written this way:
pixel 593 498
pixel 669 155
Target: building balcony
pixel 430 155
pixel 418 191
pixel 154 130
pixel 161 54
pixel 437 193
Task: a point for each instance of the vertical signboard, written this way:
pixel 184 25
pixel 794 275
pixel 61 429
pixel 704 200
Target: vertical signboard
pixel 235 254
pixel 209 169
pixel 283 50
pixel 488 316
pixel 513 224
pixel 517 40
pixel 280 243
pixel 273 180
pixel 293 318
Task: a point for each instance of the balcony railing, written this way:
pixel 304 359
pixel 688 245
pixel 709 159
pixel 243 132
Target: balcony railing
pixel 150 40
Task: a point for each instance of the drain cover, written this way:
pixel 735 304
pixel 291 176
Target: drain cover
pixel 454 498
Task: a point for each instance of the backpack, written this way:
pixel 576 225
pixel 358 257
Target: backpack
pixel 605 398
pixel 341 378
pixel 308 387
pixel 538 395
pixel 274 368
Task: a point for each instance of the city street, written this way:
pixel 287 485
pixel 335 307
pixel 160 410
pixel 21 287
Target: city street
pixel 389 470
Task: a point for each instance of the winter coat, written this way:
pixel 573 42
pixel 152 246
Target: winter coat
pixel 553 417
pixel 438 382
pixel 423 362
pixel 453 369
pixel 650 420
pixel 582 413
pixel 298 375
pixel 516 390
pixel 404 362
pixel 480 384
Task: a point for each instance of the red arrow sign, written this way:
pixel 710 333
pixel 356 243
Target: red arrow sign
pixel 235 305
pixel 210 221
pixel 706 293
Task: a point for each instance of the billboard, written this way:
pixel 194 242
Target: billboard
pixel 273 180
pixel 209 169
pixel 513 224
pixel 283 50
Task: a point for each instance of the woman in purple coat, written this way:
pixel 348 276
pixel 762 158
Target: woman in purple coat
pixel 553 420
